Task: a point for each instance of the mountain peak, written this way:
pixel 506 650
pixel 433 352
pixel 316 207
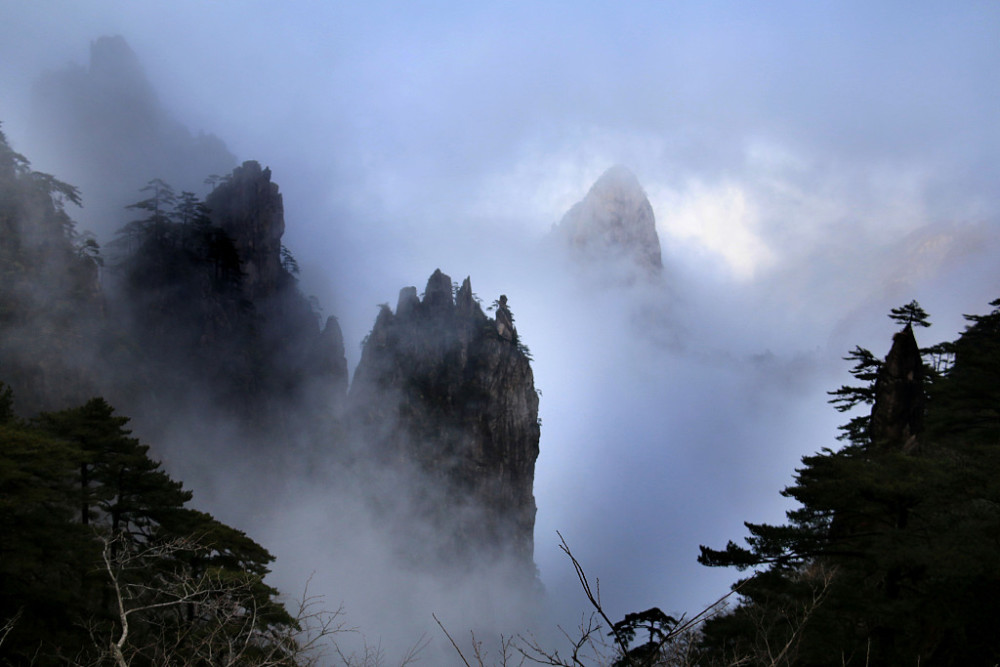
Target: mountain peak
pixel 614 222
pixel 111 57
pixel 443 393
pixel 619 177
pixel 250 208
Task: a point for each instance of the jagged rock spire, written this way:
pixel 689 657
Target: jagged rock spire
pixel 444 392
pixel 330 364
pixel 437 295
pixel 504 320
pixel 249 207
pixel 465 303
pixel 898 412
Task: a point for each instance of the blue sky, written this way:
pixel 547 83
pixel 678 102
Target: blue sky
pixel 810 165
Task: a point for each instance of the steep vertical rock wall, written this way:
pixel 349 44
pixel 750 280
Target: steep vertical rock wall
pixel 249 208
pixel 443 391
pixel 221 320
pixel 295 363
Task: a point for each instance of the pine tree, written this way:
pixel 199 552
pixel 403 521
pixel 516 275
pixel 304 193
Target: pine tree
pixel 910 315
pixel 96 541
pixel 45 555
pixel 189 210
pixel 118 481
pixel 159 205
pixel 890 557
pixel 48 285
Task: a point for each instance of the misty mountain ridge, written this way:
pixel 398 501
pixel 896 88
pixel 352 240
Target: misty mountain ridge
pixel 207 317
pixel 205 339
pixel 204 325
pixel 105 130
pixel 51 303
pixel 108 132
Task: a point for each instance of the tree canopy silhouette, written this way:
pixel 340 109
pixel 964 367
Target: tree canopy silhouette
pixel 890 557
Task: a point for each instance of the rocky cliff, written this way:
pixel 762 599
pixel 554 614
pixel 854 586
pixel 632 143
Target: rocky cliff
pixel 218 312
pixel 446 393
pixel 614 224
pixel 250 209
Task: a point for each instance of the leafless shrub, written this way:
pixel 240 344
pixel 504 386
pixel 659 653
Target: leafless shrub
pixel 590 644
pixel 188 617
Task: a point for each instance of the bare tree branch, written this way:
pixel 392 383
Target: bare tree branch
pixel 594 598
pixel 453 643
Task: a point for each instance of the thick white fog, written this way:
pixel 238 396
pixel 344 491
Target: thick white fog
pixel 810 166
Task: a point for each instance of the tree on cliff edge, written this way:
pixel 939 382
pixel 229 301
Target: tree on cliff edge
pixel 49 292
pixel 891 556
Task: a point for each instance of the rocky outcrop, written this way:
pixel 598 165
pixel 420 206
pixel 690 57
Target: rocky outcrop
pixel 897 417
pixel 220 316
pixel 294 366
pixel 330 360
pixel 614 224
pixel 447 393
pixel 250 209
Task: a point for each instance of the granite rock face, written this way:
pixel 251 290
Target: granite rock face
pixel 220 316
pixel 250 209
pixel 294 364
pixel 614 223
pixel 443 393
